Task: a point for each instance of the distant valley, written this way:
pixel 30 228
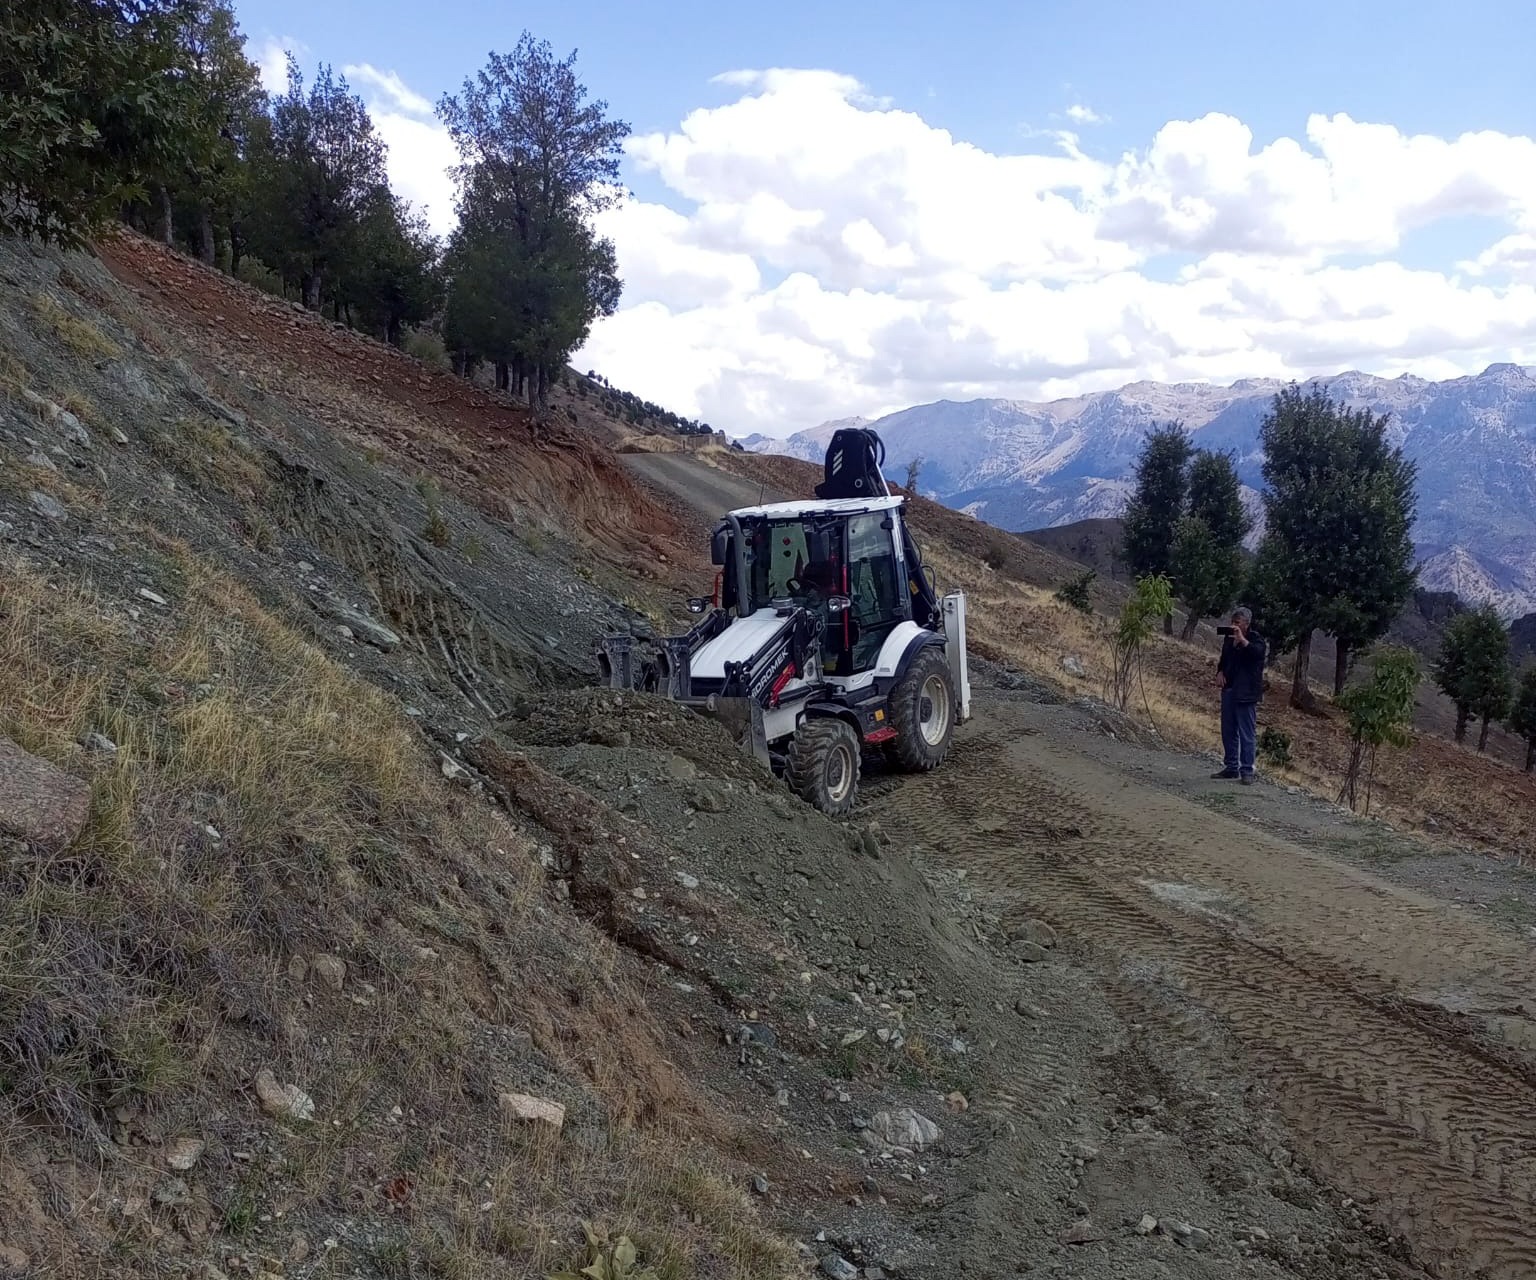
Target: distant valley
pixel 1023 465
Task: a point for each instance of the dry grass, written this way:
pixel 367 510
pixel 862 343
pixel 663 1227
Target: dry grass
pixel 211 455
pixel 14 375
pixel 80 336
pixel 265 805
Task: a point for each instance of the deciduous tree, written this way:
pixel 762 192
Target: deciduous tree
pixel 1522 717
pixel 1473 670
pixel 1338 506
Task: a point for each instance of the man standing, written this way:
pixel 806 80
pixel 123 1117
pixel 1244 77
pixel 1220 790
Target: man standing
pixel 1240 677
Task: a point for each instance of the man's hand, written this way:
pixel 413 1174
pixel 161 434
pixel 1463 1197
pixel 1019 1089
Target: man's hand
pixel 1240 639
pixel 1221 679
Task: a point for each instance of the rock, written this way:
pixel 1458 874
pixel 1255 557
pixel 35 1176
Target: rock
pixel 957 1102
pixel 283 1101
pixel 371 632
pixel 758 1033
pixel 73 428
pixel 298 968
pixel 331 970
pixel 452 769
pixel 173 1192
pixel 905 1127
pixel 1081 1232
pixel 759 1184
pixel 1029 952
pixel 687 881
pixel 1036 931
pixel 37 458
pixel 1073 666
pixel 708 800
pixel 531 1110
pixel 1147 1225
pixel 154 597
pixel 1256 1233
pixel 184 1154
pixel 345 632
pixel 682 768
pixel 865 941
pixel 99 742
pixel 39 803
pixel 1184 1234
pixel 117 435
pixel 13 1260
pixel 46 506
pixel 836 1267
pixel 852 1038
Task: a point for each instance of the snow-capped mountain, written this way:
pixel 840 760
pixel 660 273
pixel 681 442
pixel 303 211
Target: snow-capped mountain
pixel 1023 465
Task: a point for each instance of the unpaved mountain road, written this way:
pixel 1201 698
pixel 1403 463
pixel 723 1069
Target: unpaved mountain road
pixel 1391 1027
pixel 1248 973
pixel 708 490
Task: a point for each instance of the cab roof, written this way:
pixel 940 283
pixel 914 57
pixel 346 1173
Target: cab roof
pixel 818 507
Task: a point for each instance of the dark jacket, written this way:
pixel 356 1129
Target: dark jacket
pixel 1244 667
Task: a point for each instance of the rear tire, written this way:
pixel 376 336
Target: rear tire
pixel 822 765
pixel 923 713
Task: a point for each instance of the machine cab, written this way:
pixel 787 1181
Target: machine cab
pixel 844 561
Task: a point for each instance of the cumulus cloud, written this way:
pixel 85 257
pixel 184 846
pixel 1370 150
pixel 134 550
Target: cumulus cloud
pixel 896 263
pixel 271 59
pixel 1082 113
pixel 822 253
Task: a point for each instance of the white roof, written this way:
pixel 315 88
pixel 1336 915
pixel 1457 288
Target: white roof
pixel 820 506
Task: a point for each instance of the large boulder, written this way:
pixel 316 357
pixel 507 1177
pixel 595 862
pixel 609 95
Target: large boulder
pixel 40 803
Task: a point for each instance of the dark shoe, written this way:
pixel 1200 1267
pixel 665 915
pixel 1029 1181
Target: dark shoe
pixel 1226 775
pixel 1247 779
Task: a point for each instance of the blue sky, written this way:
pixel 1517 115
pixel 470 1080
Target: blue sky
pixel 758 271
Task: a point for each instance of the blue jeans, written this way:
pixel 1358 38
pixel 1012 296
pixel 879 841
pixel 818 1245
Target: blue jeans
pixel 1239 723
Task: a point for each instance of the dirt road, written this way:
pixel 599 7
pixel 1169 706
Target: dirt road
pixel 1393 1028
pixel 708 490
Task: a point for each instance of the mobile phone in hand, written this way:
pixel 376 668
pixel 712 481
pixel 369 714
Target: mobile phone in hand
pixel 1225 631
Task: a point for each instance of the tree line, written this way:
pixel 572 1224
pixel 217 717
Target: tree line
pixel 1336 557
pixel 150 112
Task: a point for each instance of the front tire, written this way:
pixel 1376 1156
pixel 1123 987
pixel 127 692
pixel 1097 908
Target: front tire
pixel 822 765
pixel 923 713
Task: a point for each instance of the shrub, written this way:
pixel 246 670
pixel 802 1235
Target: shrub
pixel 1275 746
pixel 1076 591
pixel 1149 604
pixel 1380 714
pixel 428 347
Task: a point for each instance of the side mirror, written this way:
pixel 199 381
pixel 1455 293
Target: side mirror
pixel 720 546
pixel 698 604
pixel 838 604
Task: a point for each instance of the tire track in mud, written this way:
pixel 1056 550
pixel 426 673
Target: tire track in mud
pixel 1439 1135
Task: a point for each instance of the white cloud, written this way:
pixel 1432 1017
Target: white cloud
pixel 271 59
pixel 822 253
pixel 901 264
pixel 390 88
pixel 1082 113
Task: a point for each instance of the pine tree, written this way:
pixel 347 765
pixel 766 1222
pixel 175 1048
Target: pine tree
pixel 537 161
pixel 1157 503
pixel 1522 717
pixel 1473 670
pixel 1206 562
pixel 1338 505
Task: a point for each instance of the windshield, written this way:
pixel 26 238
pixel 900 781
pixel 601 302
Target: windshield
pixel 793 560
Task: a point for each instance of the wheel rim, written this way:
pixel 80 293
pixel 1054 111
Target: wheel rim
pixel 933 711
pixel 839 774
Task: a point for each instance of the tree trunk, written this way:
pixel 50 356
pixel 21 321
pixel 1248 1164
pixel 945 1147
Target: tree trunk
pixel 310 288
pixel 543 387
pixel 1301 693
pixel 205 241
pixel 393 333
pixel 1463 714
pixel 503 375
pixel 1340 667
pixel 236 246
pixel 1190 623
pixel 1530 755
pixel 1482 738
pixel 164 229
pixel 1168 624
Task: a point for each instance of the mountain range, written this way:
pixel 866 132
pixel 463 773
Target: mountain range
pixel 1024 465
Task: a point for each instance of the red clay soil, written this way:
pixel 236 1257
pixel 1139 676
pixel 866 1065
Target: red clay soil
pixel 491 449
